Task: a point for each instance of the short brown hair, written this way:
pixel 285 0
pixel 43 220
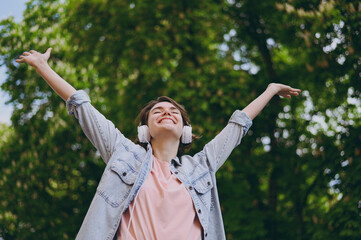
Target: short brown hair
pixel 144 115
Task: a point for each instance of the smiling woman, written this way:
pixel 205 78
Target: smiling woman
pixel 153 191
pixel 165 107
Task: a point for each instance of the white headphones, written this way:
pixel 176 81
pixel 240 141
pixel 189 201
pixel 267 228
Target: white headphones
pixel 144 135
pixel 187 135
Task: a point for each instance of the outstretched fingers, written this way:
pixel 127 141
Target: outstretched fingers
pixel 296 90
pixel 21 59
pixel 295 93
pixel 291 92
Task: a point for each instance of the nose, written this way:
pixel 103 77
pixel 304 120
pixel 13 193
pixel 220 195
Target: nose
pixel 166 112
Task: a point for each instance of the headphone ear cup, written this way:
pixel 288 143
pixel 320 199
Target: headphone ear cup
pixel 143 134
pixel 187 135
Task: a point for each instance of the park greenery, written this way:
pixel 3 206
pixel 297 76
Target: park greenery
pixel 297 173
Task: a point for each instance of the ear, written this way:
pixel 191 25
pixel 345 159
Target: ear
pixel 187 135
pixel 143 134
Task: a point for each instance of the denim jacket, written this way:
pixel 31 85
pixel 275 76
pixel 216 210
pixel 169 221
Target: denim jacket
pixel 128 165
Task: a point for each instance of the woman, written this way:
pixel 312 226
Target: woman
pixel 151 191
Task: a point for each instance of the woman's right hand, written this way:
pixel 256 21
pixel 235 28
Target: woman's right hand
pixel 34 58
pixel 283 90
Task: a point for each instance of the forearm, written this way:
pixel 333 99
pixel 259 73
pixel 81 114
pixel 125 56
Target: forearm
pixel 256 106
pixel 58 84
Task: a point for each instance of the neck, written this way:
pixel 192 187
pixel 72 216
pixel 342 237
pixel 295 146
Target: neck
pixel 165 149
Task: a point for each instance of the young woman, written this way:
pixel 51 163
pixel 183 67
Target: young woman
pixel 150 190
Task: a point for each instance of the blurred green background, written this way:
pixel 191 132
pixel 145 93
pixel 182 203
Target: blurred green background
pixel 296 175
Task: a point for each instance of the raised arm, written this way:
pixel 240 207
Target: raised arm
pixel 218 150
pixel 40 63
pixel 256 106
pixel 100 131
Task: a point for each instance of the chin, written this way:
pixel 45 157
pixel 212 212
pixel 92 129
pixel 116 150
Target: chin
pixel 168 126
pixel 168 131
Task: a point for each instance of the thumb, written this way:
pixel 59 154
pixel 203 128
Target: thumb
pixel 46 55
pixel 48 51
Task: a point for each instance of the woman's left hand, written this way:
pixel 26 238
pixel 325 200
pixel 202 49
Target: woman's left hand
pixel 283 90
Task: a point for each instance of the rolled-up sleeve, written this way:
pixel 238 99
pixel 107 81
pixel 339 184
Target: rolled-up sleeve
pixel 75 100
pixel 242 119
pixel 100 131
pixel 218 150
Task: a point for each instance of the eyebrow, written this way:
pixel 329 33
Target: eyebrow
pixel 171 108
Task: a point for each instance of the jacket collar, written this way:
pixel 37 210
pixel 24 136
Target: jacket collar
pixel 176 161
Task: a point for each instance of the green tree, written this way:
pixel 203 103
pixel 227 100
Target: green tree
pixel 310 44
pixel 295 176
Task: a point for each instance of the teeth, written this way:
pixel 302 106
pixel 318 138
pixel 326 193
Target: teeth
pixel 166 119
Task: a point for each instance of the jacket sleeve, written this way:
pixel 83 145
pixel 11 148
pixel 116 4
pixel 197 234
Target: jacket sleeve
pixel 100 131
pixel 218 150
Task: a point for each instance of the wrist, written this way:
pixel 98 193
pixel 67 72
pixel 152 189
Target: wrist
pixel 272 88
pixel 41 64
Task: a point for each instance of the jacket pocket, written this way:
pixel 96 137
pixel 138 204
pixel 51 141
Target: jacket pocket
pixel 204 183
pixel 116 182
pixel 203 186
pixel 124 171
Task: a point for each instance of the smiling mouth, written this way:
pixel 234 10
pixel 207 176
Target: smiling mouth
pixel 166 119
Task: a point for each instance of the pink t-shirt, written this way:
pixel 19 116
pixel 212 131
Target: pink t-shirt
pixel 163 209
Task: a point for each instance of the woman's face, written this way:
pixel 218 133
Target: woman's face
pixel 165 120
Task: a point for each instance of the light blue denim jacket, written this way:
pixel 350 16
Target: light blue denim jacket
pixel 128 165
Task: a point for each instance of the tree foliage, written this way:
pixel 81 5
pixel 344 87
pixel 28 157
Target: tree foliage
pixel 296 174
